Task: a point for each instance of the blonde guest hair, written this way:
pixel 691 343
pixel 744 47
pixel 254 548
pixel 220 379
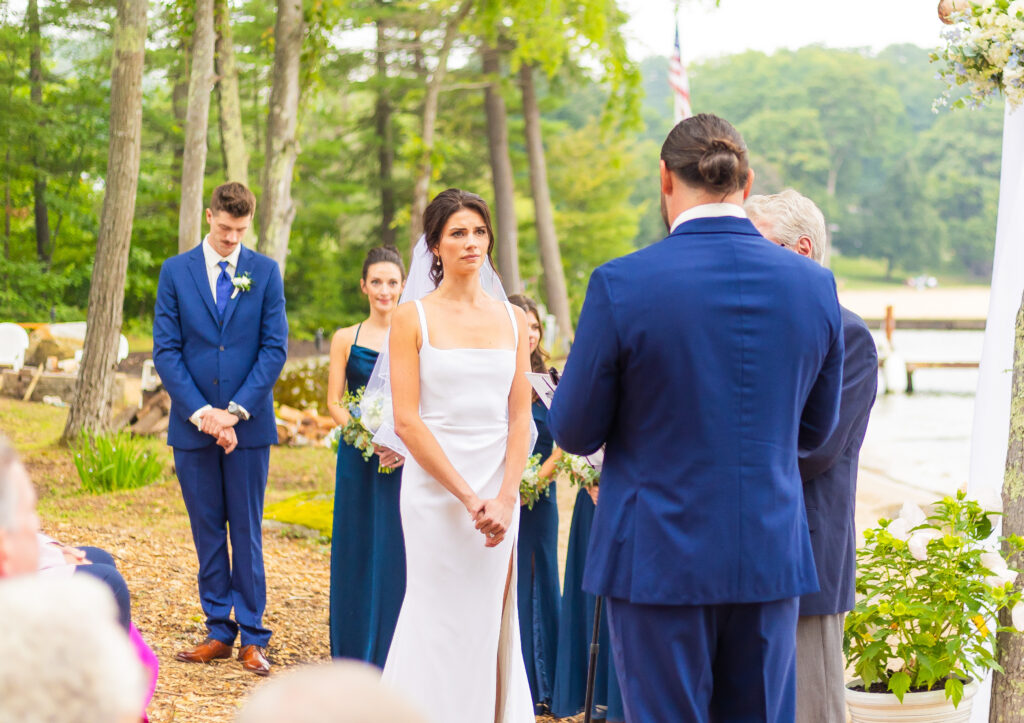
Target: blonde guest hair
pixel 340 692
pixel 791 215
pixel 63 656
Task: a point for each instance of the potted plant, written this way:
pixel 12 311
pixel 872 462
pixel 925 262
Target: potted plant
pixel 923 631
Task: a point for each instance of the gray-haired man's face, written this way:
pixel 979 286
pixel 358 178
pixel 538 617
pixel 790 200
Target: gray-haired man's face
pixel 19 548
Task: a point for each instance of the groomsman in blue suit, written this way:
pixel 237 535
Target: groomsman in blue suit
pixel 829 473
pixel 220 338
pixel 701 363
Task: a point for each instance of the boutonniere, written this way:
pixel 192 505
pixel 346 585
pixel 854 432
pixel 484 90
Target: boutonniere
pixel 241 283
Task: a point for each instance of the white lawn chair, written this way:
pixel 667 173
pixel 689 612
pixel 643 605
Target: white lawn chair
pixel 13 344
pixel 122 351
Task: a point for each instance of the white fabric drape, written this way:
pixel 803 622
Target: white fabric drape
pixel 990 432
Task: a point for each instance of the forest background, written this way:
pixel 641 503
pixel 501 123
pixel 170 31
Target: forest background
pixel 852 129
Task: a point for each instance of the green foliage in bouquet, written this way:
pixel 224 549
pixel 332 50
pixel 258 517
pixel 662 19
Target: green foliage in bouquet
pixel 354 433
pixel 929 589
pixel 577 470
pixel 109 463
pixel 532 486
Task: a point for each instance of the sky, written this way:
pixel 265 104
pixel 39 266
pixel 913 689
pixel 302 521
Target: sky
pixel 768 25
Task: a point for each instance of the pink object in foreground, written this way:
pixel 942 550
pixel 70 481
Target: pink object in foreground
pixel 148 658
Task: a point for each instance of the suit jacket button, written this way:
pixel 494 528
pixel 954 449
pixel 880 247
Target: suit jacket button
pixel 214 381
pixel 222 348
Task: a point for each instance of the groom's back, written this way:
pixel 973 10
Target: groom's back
pixel 715 338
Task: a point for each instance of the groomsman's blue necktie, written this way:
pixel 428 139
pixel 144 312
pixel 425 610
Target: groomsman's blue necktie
pixel 224 288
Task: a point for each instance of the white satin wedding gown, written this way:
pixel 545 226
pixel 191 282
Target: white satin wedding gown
pixel 457 637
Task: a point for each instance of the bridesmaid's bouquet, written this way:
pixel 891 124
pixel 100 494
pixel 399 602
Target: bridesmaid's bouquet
pixel 356 433
pixel 531 487
pixel 578 470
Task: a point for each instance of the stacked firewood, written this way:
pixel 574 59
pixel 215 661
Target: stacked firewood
pixel 299 427
pixel 295 427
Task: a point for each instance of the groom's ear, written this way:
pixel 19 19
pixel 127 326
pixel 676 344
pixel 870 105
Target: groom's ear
pixel 666 179
pixel 209 217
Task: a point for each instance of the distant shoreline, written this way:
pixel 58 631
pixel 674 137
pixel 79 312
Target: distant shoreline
pixel 947 303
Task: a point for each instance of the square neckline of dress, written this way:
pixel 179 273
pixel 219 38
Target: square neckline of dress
pixel 426 336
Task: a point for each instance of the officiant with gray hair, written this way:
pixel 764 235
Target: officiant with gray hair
pixel 829 473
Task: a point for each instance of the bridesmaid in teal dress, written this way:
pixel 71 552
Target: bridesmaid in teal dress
pixel 367 548
pixel 576 626
pixel 537 570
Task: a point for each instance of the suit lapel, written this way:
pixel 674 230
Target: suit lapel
pixel 197 265
pixel 245 258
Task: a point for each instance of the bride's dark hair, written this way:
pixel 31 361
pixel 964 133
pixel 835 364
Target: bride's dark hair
pixel 437 214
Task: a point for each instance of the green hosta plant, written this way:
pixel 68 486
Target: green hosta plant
pixel 929 591
pixel 107 463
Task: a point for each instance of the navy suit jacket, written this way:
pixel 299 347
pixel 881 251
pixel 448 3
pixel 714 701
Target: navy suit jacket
pixel 202 361
pixel 830 476
pixel 702 361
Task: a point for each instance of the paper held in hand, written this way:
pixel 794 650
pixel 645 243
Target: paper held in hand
pixel 545 385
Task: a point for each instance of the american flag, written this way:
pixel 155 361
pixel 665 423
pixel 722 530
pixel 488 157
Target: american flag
pixel 680 83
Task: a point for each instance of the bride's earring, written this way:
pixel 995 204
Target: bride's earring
pixel 437 262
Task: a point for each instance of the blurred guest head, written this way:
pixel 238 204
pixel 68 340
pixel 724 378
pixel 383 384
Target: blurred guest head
pixel 341 692
pixel 63 656
pixel 19 549
pixel 792 220
pixel 703 160
pixel 535 330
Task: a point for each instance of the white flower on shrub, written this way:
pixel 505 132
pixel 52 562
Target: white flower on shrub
pixel 1001 573
pixel 918 542
pixel 1017 616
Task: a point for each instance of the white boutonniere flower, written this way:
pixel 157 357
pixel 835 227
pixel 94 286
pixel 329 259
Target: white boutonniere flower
pixel 241 283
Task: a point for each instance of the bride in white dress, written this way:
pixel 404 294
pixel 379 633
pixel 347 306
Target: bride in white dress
pixel 462 410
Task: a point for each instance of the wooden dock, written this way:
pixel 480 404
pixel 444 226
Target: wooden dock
pixel 890 324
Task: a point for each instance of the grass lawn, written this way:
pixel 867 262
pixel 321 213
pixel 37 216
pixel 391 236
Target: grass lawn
pixel 857 273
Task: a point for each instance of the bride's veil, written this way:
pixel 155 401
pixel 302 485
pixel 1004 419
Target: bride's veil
pixel 376 403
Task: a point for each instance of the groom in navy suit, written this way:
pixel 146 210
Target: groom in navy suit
pixel 220 338
pixel 702 362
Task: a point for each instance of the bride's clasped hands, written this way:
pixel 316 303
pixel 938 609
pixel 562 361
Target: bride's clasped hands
pixel 493 517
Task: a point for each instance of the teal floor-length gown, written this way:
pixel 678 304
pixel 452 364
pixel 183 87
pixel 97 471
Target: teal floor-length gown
pixel 367 547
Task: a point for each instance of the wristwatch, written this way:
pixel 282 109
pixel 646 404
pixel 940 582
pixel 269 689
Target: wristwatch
pixel 233 408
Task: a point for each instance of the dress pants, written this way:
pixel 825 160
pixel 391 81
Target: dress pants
pixel 820 669
pixel 731 663
pixel 223 494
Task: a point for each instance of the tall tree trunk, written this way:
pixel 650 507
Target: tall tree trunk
pixel 501 174
pixel 179 102
pixel 90 410
pixel 44 249
pixel 386 138
pixel 197 120
pixel 1008 686
pixel 7 205
pixel 547 240
pixel 232 139
pixel 277 210
pixel 430 102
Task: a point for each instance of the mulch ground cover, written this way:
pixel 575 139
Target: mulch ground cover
pixel 147 531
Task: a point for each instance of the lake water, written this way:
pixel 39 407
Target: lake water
pixel 923 439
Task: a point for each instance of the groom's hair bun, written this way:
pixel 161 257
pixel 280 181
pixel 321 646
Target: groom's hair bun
pixel 706 152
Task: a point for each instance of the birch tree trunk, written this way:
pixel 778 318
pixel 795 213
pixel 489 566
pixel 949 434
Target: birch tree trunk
pixel 547 240
pixel 197 119
pixel 90 409
pixel 1008 687
pixel 501 174
pixel 433 94
pixel 277 209
pixel 232 139
pixel 44 250
pixel 386 138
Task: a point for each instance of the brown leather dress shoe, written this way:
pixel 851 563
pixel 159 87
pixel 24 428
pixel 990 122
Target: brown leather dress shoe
pixel 254 659
pixel 206 651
